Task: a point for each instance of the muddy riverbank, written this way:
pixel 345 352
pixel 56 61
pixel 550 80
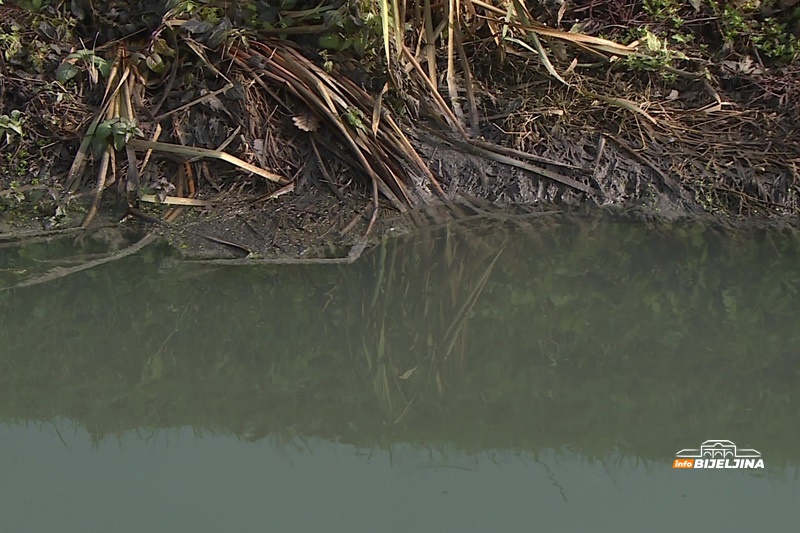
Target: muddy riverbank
pixel 207 129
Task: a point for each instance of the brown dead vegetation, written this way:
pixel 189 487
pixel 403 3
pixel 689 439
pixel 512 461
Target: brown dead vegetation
pixel 477 99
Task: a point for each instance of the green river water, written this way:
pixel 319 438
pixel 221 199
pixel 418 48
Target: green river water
pixel 487 377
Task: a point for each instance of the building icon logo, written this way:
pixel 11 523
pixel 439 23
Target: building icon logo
pixel 718 454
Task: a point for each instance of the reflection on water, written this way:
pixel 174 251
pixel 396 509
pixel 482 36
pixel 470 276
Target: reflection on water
pixel 178 482
pixel 467 379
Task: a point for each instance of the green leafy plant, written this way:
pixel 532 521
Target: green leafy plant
pixel 179 8
pixel 357 30
pixel 659 54
pixel 355 118
pixel 93 63
pixel 742 28
pixel 664 11
pixel 117 131
pixel 775 41
pixel 11 125
pixel 154 59
pixel 11 43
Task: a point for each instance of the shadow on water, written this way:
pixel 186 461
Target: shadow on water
pixel 608 339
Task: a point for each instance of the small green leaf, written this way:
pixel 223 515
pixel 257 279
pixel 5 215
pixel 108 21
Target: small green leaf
pixel 155 63
pixel 161 47
pixel 103 66
pixel 81 54
pixel 103 130
pixel 119 141
pixel 136 57
pixel 66 71
pixel 120 127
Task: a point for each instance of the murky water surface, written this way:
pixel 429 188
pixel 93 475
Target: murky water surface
pixel 478 378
